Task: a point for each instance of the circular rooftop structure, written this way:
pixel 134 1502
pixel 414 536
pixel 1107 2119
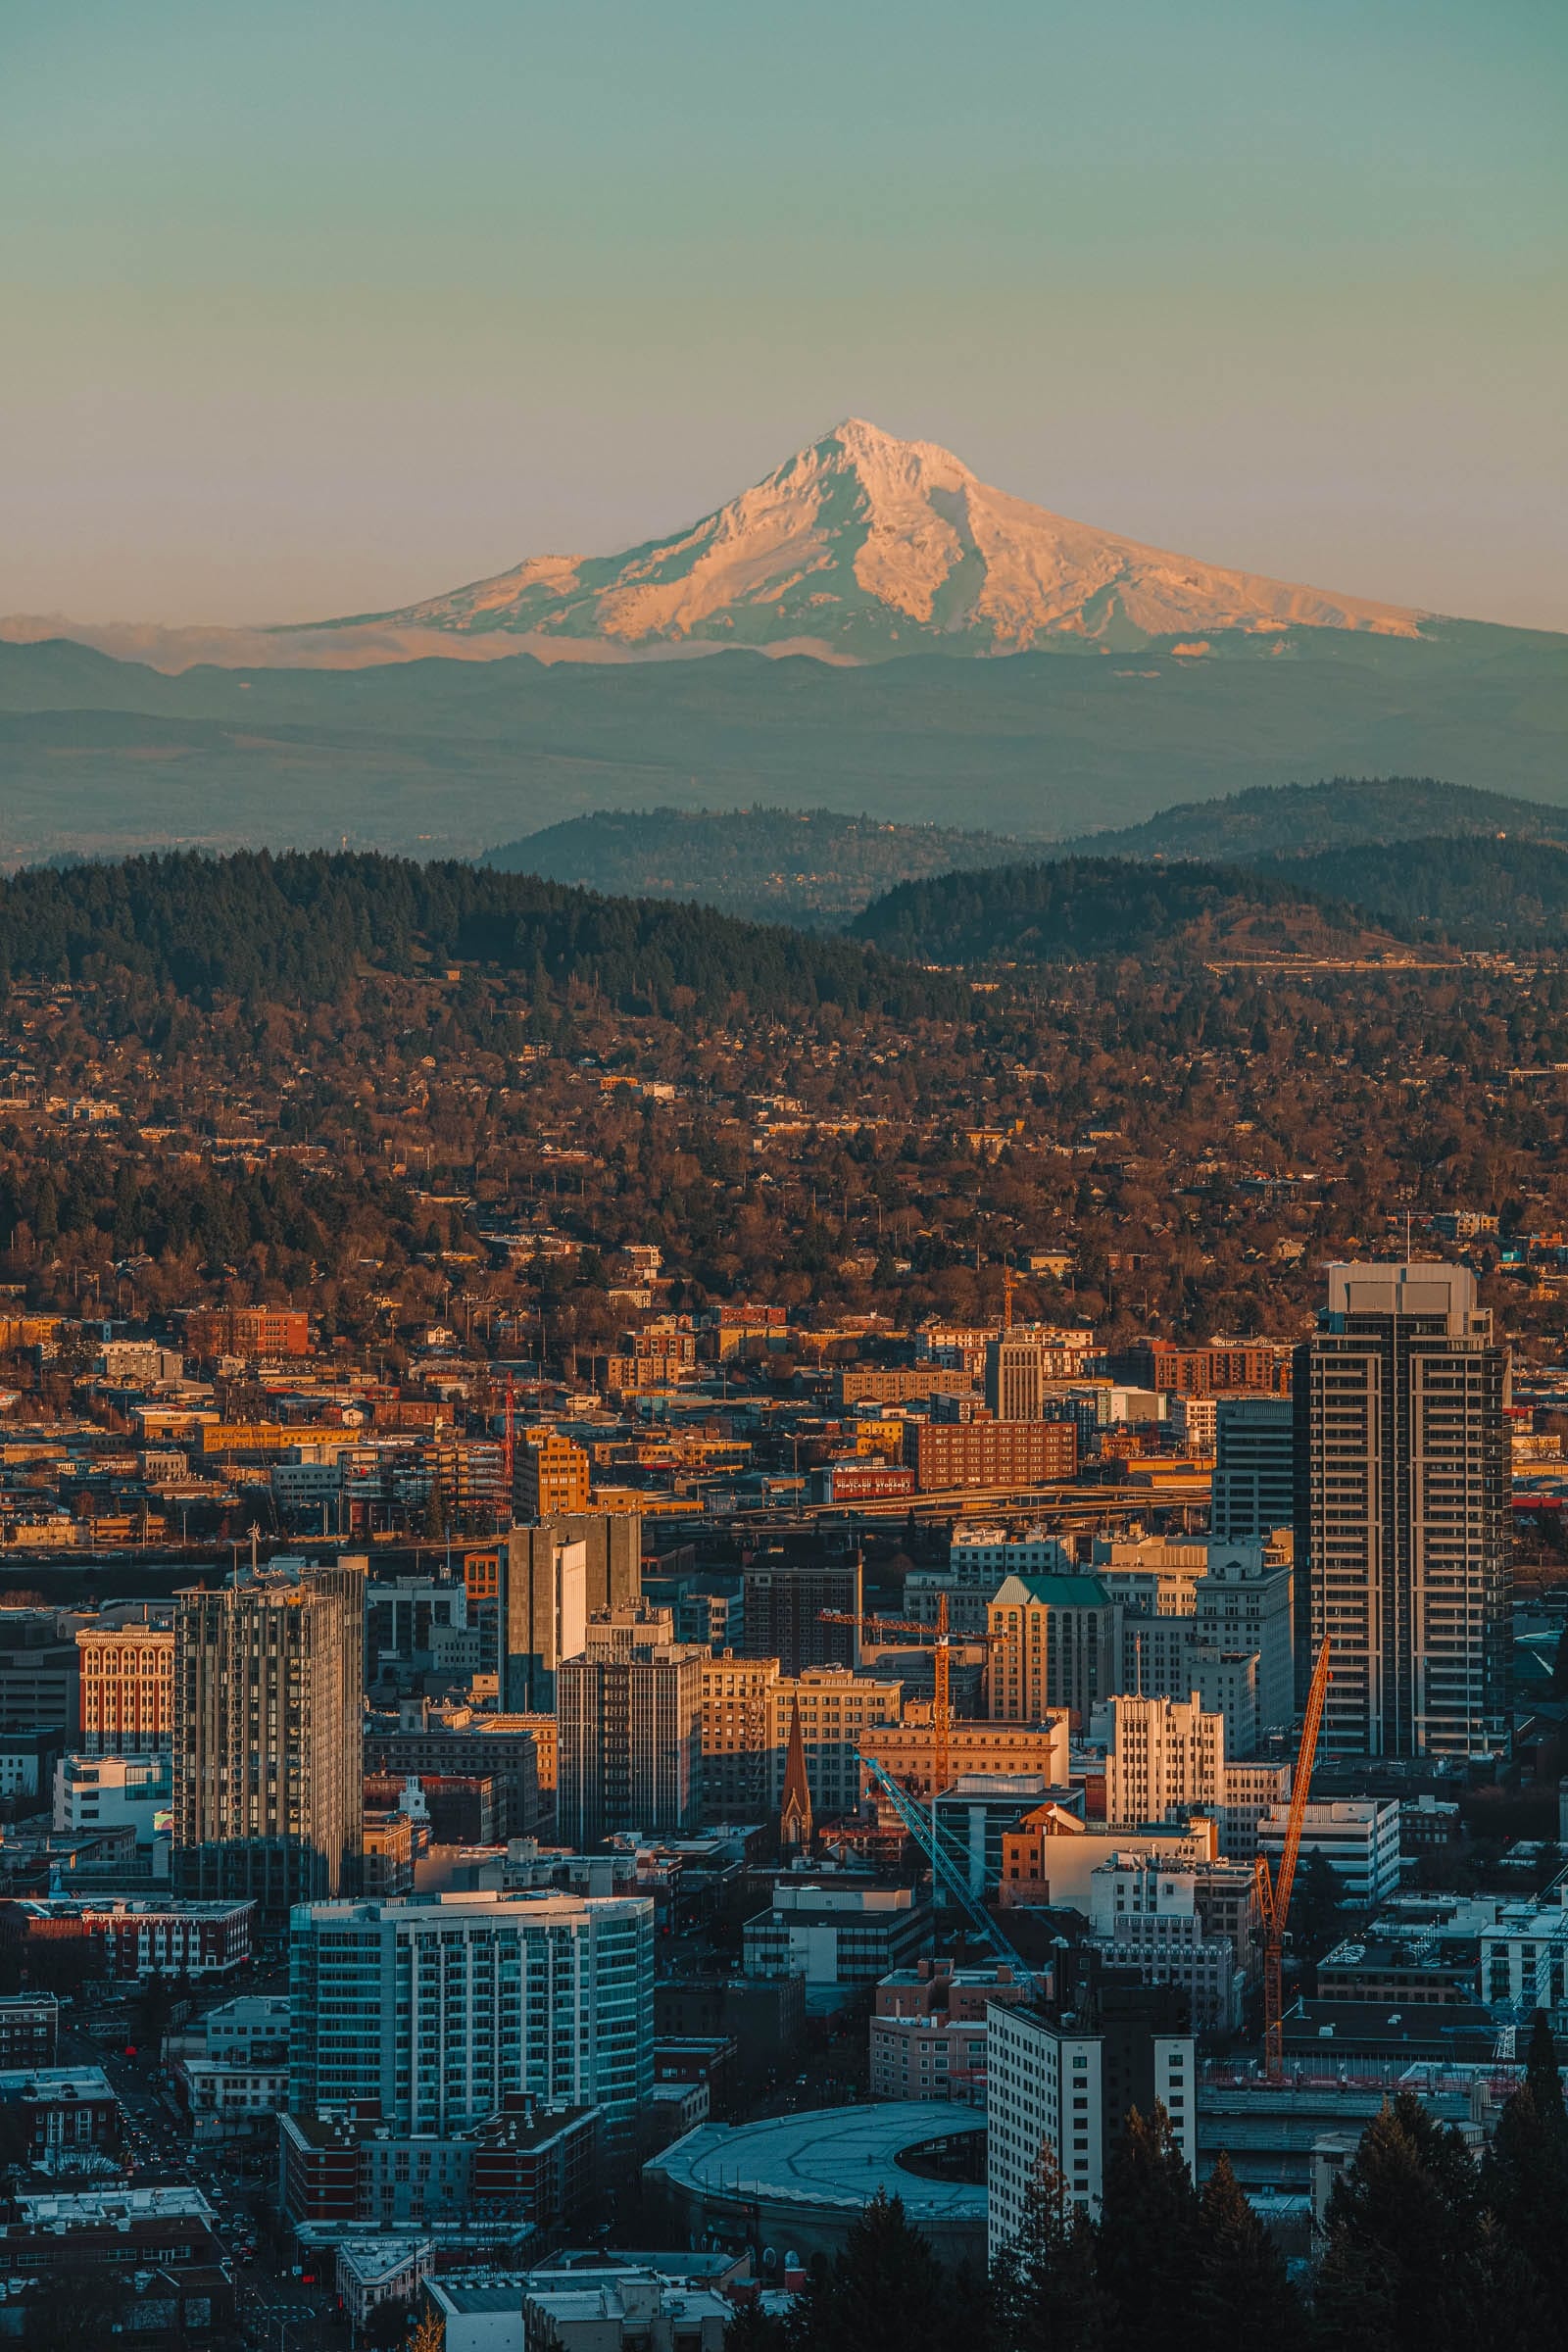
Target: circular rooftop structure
pixel 796 2182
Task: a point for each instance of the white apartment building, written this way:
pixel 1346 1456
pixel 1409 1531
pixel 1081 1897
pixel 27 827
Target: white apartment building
pixel 439 2008
pixel 1066 2086
pixel 1358 1837
pixel 1167 1756
pixel 1524 1956
pixel 1147 1916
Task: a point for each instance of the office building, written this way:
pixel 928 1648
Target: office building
pixel 788 1610
pixel 440 2009
pixel 1259 1366
pixel 747 1710
pixel 1145 1917
pixel 1054 1644
pixel 553 1575
pixel 1167 1759
pixel 1015 1377
pixel 1254 1479
pixel 836 1934
pixel 1245 1602
pixel 1358 1838
pixel 127 1688
pixel 928 2031
pixel 40 1674
pixel 248 1330
pixel 30 2028
pixel 1065 2079
pixel 551 1476
pixel 269 1706
pixel 138 1938
pixel 96 1792
pixel 1403 1555
pixel 521 2169
pixel 983 1556
pixel 1011 1455
pixel 630 1746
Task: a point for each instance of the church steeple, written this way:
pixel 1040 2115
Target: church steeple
pixel 795 1827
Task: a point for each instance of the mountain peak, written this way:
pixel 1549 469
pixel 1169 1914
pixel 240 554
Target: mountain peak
pixel 862 545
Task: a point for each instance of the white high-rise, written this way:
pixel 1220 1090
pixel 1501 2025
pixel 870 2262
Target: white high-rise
pixel 438 2008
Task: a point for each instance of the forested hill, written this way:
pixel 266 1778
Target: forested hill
pixel 1087 908
pixel 794 865
pixel 1477 892
pixel 1279 821
pixel 297 926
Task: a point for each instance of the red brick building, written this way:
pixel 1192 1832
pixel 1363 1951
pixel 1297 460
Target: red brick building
pixel 248 1330
pixel 990 1453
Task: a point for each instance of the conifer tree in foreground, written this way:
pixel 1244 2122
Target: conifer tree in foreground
pixel 1145 2240
pixel 1044 2291
pixel 1524 2179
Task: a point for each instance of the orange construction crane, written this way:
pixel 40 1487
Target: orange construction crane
pixel 943 1642
pixel 1274 1894
pixel 1009 1283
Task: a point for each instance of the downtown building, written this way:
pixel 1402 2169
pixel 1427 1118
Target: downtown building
pixel 441 2010
pixel 629 1752
pixel 1063 2076
pixel 1403 1558
pixel 269 1730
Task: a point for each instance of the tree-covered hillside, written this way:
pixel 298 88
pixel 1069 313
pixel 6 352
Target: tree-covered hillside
pixel 807 865
pixel 1300 821
pixel 297 926
pixel 1478 892
pixel 1089 907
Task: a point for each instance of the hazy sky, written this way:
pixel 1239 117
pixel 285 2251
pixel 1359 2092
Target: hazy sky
pixel 320 305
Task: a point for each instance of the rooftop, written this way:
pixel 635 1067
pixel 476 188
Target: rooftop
pixel 832 2157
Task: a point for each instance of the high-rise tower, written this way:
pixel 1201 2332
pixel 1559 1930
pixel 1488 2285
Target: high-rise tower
pixel 1403 1521
pixel 269 1733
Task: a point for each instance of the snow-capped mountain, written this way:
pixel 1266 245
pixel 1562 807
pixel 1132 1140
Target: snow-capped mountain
pixel 863 546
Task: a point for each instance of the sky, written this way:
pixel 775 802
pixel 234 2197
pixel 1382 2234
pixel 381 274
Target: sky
pixel 316 309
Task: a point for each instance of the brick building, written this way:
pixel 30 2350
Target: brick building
pixel 990 1453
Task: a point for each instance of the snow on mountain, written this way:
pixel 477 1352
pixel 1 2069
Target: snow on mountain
pixel 861 546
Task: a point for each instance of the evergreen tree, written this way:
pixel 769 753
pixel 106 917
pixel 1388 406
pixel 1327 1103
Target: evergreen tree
pixel 1525 2176
pixel 885 2292
pixel 1242 2284
pixel 1044 2290
pixel 1406 2249
pixel 754 2329
pixel 1144 2238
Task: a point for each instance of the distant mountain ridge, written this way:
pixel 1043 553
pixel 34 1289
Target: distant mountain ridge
pixel 435 757
pixel 861 546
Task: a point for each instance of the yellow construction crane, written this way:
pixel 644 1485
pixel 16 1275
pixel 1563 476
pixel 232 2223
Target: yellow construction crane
pixel 1274 1894
pixel 939 1639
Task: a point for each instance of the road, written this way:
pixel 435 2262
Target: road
pixel 275 2309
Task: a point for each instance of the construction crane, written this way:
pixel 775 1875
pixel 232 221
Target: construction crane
pixel 922 1828
pixel 1274 1894
pixel 943 1642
